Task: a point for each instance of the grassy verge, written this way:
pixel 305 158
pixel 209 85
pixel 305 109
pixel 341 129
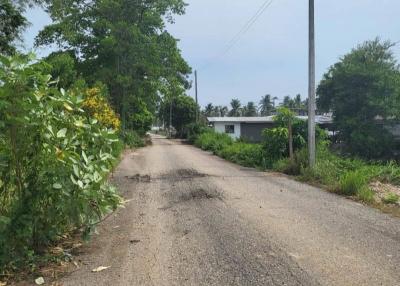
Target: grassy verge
pixel 349 177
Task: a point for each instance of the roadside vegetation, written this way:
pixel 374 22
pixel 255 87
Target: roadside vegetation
pixel 362 91
pixel 66 118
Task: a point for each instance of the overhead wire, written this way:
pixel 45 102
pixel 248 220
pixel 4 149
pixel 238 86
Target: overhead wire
pixel 245 28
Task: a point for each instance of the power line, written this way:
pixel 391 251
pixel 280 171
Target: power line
pixel 247 26
pixel 244 29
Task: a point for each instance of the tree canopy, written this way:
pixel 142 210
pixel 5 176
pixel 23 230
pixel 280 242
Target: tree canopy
pixel 125 45
pixel 12 23
pixel 362 91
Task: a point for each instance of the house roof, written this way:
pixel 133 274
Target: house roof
pixel 320 119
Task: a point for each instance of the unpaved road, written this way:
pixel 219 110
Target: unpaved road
pixel 194 219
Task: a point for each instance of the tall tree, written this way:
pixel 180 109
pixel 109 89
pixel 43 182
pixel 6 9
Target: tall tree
pixel 266 106
pixel 181 110
pixel 362 90
pixel 223 110
pixel 250 109
pixel 12 23
pixel 288 102
pixel 124 44
pixel 297 101
pixel 236 108
pixel 209 110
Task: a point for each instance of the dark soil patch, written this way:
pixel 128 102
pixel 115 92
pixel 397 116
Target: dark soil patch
pixel 140 178
pixel 181 174
pixel 200 194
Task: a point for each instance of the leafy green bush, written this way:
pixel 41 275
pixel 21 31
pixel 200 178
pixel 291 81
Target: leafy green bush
pixel 54 162
pixel 245 154
pixel 193 130
pixel 295 166
pixel 132 139
pixel 213 141
pixel 275 143
pixel 351 183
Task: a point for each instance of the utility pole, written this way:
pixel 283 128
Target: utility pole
pixel 197 102
pixel 170 119
pixel 311 86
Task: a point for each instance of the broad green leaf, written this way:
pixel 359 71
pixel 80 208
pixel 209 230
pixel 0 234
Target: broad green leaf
pixel 57 186
pixel 61 133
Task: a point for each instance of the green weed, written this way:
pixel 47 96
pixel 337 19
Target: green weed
pixel 391 198
pixel 365 194
pixel 351 183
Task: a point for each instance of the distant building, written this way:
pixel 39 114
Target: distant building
pixel 251 128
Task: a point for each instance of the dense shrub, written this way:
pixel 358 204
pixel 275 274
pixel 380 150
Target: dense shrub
pixel 54 162
pixel 96 105
pixel 295 166
pixel 194 130
pixel 213 141
pixel 132 139
pixel 275 144
pixel 245 154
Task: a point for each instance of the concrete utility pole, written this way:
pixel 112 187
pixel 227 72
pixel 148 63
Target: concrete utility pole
pixel 197 102
pixel 170 119
pixel 311 86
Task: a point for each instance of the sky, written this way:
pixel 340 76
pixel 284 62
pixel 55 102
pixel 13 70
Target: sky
pixel 272 57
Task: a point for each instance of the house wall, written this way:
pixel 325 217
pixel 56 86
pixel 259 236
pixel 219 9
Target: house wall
pixel 220 128
pixel 253 131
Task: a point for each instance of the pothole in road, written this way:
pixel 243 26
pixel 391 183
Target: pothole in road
pixel 180 174
pixel 140 178
pixel 200 194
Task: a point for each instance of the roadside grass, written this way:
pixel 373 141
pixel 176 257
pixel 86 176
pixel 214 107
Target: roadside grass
pixel 345 176
pixel 245 154
pixel 391 198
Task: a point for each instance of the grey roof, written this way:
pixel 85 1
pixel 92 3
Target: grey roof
pixel 242 119
pixel 320 119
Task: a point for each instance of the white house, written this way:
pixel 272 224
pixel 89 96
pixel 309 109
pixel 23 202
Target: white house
pixel 251 127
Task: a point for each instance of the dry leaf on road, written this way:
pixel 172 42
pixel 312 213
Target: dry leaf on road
pixel 39 281
pixel 100 268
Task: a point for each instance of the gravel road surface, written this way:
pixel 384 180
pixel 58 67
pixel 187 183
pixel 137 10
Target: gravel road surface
pixel 192 218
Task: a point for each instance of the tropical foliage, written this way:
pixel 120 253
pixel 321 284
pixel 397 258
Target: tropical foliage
pixel 54 162
pixel 125 46
pixel 96 105
pixel 363 92
pixel 181 110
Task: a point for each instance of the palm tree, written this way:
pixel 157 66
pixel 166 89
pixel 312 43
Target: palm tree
pixel 236 108
pixel 250 109
pixel 265 105
pixel 208 110
pixel 297 101
pixel 223 110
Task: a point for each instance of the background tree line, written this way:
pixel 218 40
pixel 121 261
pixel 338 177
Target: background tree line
pixel 267 106
pixel 120 44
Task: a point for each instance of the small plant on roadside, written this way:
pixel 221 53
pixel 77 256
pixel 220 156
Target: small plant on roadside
pixel 351 183
pixel 365 194
pixel 391 198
